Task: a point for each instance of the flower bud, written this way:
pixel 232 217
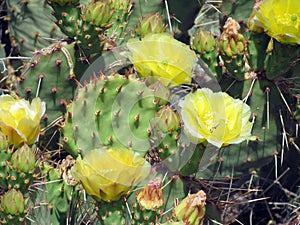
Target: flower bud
pixel 151 195
pixel 23 159
pixel 98 13
pixel 151 24
pixel 13 202
pixel 204 42
pixel 191 210
pixel 167 119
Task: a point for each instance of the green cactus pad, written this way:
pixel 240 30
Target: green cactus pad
pixel 121 108
pixel 50 76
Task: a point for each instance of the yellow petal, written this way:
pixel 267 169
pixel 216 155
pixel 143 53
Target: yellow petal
pixel 163 57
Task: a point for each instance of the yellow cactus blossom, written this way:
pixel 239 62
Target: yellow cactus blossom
pixel 20 120
pixel 108 174
pixel 215 117
pixel 280 19
pixel 163 57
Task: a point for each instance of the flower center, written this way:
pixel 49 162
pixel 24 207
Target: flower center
pixel 210 121
pixel 288 19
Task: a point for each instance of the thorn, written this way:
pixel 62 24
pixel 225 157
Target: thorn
pixel 102 90
pixel 130 144
pixel 93 135
pixel 58 62
pixel 97 113
pixel 292 140
pixel 40 78
pixel 84 102
pixel 285 102
pixel 139 93
pixel 137 117
pixel 284 138
pixel 250 91
pixel 156 101
pixel 275 160
pixel 118 89
pixel 110 139
pixel 117 113
pixel 267 91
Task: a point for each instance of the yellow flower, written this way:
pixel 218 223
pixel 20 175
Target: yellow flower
pixel 215 117
pixel 20 120
pixel 280 19
pixel 107 174
pixel 163 57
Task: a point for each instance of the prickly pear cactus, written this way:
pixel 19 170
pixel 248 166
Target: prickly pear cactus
pixel 50 76
pixel 187 177
pixel 112 100
pixel 30 25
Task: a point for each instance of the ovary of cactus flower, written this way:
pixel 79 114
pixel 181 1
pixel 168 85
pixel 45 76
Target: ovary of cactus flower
pixel 20 120
pixel 151 24
pixel 280 19
pixel 108 174
pixel 203 42
pixel 191 209
pixel 215 117
pixel 23 159
pixel 167 119
pixel 3 141
pixel 151 195
pixel 13 202
pixel 98 13
pixel 163 57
